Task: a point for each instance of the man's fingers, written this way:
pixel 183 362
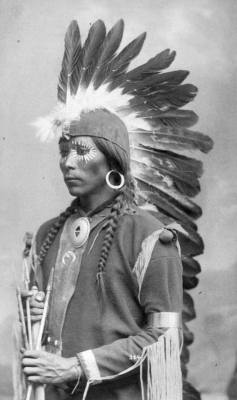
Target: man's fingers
pixel 29 362
pixel 34 379
pixel 35 303
pixel 37 379
pixel 36 311
pixel 36 318
pixel 31 370
pixel 33 353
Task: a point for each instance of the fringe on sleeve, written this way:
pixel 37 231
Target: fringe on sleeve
pixel 164 377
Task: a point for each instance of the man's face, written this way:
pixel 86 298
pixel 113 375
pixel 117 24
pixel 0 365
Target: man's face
pixel 83 165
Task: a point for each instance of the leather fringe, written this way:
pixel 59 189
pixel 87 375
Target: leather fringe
pixel 164 377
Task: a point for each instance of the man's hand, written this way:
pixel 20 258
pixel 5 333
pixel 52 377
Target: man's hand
pixel 43 367
pixel 36 304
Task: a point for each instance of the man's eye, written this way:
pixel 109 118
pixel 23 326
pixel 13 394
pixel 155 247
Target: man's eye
pixel 64 153
pixel 82 150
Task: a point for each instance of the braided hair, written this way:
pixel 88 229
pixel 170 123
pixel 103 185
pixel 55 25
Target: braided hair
pixel 108 239
pixel 52 233
pixel 118 160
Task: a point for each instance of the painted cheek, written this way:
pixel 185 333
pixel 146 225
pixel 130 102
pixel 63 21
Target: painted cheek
pixel 97 165
pixel 72 160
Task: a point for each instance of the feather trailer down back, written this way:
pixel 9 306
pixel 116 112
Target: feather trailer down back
pixel 152 104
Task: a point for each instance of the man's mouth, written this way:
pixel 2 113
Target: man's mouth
pixel 72 179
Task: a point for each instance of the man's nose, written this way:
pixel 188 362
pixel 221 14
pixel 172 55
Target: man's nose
pixel 71 160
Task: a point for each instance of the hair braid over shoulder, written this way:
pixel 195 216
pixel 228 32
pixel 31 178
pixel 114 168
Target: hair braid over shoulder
pixel 109 235
pixel 53 232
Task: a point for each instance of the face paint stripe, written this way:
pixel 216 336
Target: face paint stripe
pixel 80 149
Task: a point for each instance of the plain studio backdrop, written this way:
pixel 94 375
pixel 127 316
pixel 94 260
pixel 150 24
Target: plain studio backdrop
pixel 203 32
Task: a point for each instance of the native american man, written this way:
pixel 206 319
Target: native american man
pixel 113 324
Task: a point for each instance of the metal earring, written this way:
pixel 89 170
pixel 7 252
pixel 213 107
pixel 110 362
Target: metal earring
pixel 116 175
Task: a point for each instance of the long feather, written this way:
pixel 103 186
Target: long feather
pixel 167 166
pixel 158 184
pixel 188 308
pixel 190 282
pixel 109 47
pixel 185 183
pixel 154 83
pixel 191 266
pixel 185 356
pixel 152 66
pixel 182 170
pixel 191 188
pixel 192 245
pixel 162 203
pixel 189 392
pixel 172 97
pixel 70 72
pixel 172 138
pixel 172 118
pixel 170 160
pixel 91 51
pixel 121 62
pixel 188 335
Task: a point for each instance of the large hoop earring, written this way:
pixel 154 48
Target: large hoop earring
pixel 116 175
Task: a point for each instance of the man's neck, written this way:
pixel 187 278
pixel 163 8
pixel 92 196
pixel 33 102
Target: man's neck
pixel 93 201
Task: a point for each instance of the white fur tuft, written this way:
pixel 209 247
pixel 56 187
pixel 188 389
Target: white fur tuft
pixel 87 100
pixel 44 128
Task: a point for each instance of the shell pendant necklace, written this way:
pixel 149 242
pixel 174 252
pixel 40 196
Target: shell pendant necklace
pixel 79 231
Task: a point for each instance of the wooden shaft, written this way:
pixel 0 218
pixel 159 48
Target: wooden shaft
pixel 28 316
pixel 29 327
pixel 39 392
pixel 43 320
pixel 31 389
pixel 37 333
pixel 22 319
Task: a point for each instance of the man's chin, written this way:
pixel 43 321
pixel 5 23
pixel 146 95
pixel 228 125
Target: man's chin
pixel 74 189
pixel 75 192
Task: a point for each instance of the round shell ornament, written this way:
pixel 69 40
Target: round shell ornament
pixel 79 231
pixel 166 236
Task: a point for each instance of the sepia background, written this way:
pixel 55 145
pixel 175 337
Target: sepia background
pixel 203 32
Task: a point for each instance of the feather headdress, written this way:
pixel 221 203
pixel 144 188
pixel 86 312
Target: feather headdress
pixel 90 79
pixel 151 103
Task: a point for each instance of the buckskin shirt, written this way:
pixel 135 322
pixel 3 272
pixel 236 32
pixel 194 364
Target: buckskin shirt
pixel 142 276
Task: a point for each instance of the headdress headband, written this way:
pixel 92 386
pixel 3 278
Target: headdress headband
pixel 99 123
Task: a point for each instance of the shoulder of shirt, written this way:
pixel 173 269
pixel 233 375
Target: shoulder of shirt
pixel 146 229
pixel 143 220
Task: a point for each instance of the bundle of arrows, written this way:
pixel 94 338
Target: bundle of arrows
pixel 32 332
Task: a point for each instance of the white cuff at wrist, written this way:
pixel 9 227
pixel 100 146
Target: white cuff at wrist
pixel 89 365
